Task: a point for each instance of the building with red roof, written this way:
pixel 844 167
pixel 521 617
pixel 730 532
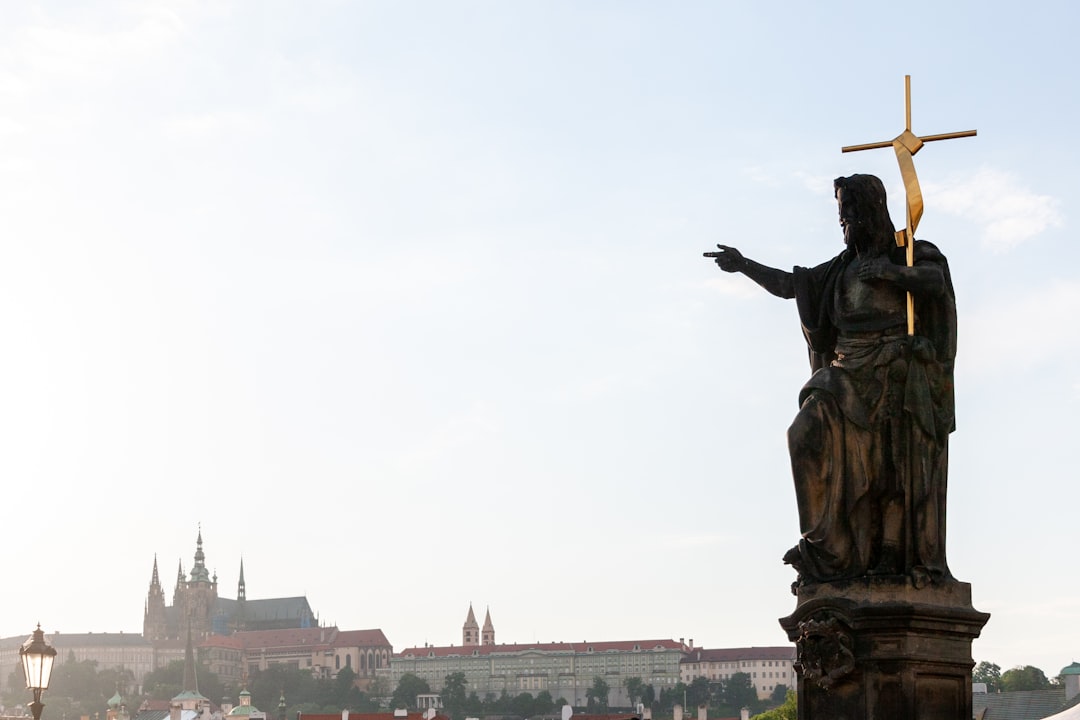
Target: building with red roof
pixel 564 669
pixel 766 666
pixel 322 650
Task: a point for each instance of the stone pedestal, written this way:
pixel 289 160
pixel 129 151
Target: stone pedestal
pixel 881 649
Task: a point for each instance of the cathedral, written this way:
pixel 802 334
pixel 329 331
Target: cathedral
pixel 197 606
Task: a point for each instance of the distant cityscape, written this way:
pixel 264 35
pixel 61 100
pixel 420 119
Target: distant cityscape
pixel 236 637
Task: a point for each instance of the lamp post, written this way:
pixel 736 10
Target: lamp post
pixel 37 658
pixel 281 705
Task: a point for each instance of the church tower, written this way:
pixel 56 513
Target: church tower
pixel 470 632
pixel 241 587
pixel 154 615
pixel 239 619
pixel 199 597
pixel 487 636
pixel 178 590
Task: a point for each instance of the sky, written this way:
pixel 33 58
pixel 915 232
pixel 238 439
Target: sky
pixel 403 303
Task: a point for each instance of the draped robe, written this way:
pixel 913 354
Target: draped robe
pixel 869 446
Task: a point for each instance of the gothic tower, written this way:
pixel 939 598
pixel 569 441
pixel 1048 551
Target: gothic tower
pixel 178 590
pixel 239 619
pixel 241 587
pixel 199 596
pixel 487 636
pixel 154 614
pixel 470 632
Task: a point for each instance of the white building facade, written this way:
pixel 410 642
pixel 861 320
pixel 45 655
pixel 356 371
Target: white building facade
pixel 565 670
pixel 766 666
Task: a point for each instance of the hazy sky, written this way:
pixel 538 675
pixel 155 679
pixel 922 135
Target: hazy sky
pixel 405 303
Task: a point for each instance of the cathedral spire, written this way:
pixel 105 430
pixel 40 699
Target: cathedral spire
pixel 154 609
pixel 199 573
pixel 190 698
pixel 191 680
pixel 241 588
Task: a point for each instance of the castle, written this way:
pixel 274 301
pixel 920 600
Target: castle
pixel 197 606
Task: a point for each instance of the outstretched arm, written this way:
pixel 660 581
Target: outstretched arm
pixel 776 282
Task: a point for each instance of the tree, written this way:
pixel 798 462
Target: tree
pixel 474 706
pixel 77 687
pixel 544 704
pixel 597 695
pixel 635 688
pixel 409 686
pixel 165 683
pixel 1027 677
pixel 648 695
pixel 523 705
pixel 670 697
pixel 379 690
pixel 787 711
pixel 15 689
pixel 739 691
pixel 454 695
pixel 498 705
pixel 989 673
pixel 779 694
pixel 697 693
pixel 299 686
pixel 345 693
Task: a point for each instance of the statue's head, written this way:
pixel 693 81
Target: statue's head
pixel 864 214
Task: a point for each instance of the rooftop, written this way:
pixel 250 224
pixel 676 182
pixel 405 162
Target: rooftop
pixel 568 648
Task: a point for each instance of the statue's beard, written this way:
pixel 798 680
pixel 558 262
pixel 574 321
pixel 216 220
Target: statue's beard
pixel 858 236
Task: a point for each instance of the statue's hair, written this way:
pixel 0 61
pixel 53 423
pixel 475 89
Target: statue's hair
pixel 870 204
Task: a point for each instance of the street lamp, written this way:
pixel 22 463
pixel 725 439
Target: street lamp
pixel 37 659
pixel 281 705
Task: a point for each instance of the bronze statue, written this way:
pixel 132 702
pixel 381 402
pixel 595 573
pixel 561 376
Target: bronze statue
pixel 869 445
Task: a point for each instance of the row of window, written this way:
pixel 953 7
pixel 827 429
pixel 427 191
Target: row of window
pixel 694 667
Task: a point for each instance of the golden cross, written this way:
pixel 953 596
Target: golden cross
pixel 906 145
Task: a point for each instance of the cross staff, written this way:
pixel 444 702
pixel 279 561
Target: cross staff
pixel 906 145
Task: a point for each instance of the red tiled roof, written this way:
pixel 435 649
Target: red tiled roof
pixel 226 641
pixel 158 705
pixel 292 638
pixel 287 637
pixel 582 647
pixel 786 652
pixel 360 638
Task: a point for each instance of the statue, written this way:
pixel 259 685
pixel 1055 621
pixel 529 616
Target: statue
pixel 869 445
